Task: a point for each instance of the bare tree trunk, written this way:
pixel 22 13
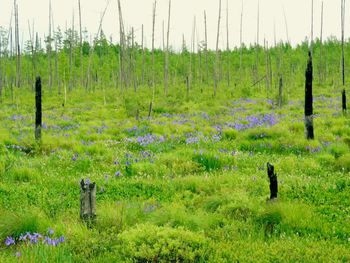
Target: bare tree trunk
pixel 81 47
pixel 143 57
pixel 320 69
pixel 312 29
pixel 227 47
pixel 342 40
pixel 71 55
pixel 57 77
pixel 166 81
pixel 18 50
pixel 94 45
pixel 241 43
pixel 206 47
pixel 49 48
pixel 122 47
pixel 309 127
pixel 153 62
pixel 133 59
pixel 217 52
pixel 257 45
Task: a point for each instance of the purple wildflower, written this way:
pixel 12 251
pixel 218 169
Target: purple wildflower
pixel 9 241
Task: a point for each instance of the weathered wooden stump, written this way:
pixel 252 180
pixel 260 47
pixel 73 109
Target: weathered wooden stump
pixel 309 126
pixel 280 93
pixel 38 112
pixel 273 181
pixel 344 100
pixel 88 201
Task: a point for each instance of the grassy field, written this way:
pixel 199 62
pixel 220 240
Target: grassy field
pixel 189 185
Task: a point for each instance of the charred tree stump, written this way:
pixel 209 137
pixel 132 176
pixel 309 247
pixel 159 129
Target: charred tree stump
pixel 38 113
pixel 309 126
pixel 88 202
pixel 280 93
pixel 344 100
pixel 273 181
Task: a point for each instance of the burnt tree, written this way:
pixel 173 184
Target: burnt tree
pixel 38 112
pixel 344 100
pixel 309 127
pixel 273 181
pixel 88 201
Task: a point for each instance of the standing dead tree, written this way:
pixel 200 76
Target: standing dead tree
pixel 153 60
pixel 241 43
pixel 38 112
pixel 342 51
pixel 17 47
pixel 91 51
pixel 121 48
pixel 81 47
pixel 49 47
pixel 206 47
pixel 227 47
pixel 273 181
pixel 217 58
pixel 309 127
pixel 320 68
pixel 166 69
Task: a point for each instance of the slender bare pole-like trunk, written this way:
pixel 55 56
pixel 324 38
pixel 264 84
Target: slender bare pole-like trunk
pixel 257 48
pixel 206 47
pixel 166 81
pixel 81 47
pixel 18 49
pixel 143 57
pixel 241 43
pixel 133 59
pixel 312 29
pixel 71 43
pixel 217 52
pixel 49 48
pixel 321 47
pixel 342 40
pixel 153 59
pixel 122 47
pixel 228 47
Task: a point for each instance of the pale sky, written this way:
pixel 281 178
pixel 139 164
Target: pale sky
pixel 138 12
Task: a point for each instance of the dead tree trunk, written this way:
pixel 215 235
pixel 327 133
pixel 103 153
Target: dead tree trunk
pixel 38 113
pixel 321 46
pixel 81 47
pixel 280 93
pixel 88 202
pixel 206 47
pixel 18 49
pixel 166 80
pixel 143 57
pixel 273 181
pixel 49 48
pixel 217 52
pixel 241 43
pixel 344 100
pixel 227 47
pixel 309 128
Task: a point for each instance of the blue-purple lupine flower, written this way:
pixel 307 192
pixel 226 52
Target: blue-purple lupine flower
pixel 9 241
pixel 51 231
pixel 18 254
pixel 75 157
pixel 117 174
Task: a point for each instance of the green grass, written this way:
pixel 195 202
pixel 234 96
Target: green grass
pixel 185 186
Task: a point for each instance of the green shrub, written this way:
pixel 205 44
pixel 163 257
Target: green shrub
pixel 149 243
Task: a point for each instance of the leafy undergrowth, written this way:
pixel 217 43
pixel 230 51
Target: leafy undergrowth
pixel 189 185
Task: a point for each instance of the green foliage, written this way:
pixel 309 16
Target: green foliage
pixel 148 243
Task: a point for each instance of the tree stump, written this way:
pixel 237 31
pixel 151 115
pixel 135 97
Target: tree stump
pixel 280 93
pixel 344 100
pixel 38 112
pixel 88 201
pixel 273 181
pixel 309 126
